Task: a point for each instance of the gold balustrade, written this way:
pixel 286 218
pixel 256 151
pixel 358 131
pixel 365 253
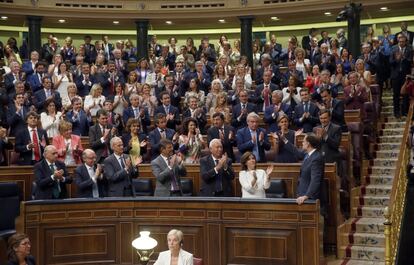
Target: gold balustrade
pixel 395 211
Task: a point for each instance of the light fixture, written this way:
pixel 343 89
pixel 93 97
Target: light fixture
pixel 61 21
pixel 3 18
pixel 274 18
pixel 384 8
pixel 116 22
pixel 144 246
pixel 168 22
pixel 221 21
pixel 328 14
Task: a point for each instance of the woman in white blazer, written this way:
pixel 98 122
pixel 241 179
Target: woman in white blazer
pixel 253 181
pixel 175 255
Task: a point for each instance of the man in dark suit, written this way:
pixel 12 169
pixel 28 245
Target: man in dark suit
pixel 89 177
pixel 401 59
pixel 109 79
pixel 312 171
pixel 306 113
pixel 81 121
pixel 155 45
pixel 90 50
pixel 216 172
pixel 11 78
pixel 85 80
pixel 272 112
pixel 16 114
pixel 268 66
pixel 206 48
pixel 324 60
pixel 35 79
pixel 120 65
pixel 241 110
pixel 47 94
pixel 197 113
pixel 51 176
pixel 136 111
pixel 31 141
pixel 171 112
pixel 30 66
pixel 225 133
pixel 264 91
pixel 168 168
pixel 325 39
pixel 107 47
pixel 330 135
pixel 119 170
pixel 292 72
pixel 161 132
pixel 314 51
pixel 253 139
pixel 100 135
pixel 306 40
pixel 335 107
pixel 408 34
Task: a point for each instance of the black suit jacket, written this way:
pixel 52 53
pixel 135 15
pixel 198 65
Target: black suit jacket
pixel 311 121
pixel 228 144
pixel 327 64
pixel 119 180
pixel 210 180
pixel 311 176
pixel 402 67
pixel 40 100
pixel 338 114
pixel 15 121
pixel 236 113
pixel 409 39
pixel 330 144
pixel 96 144
pixel 24 139
pixel 155 137
pixel 172 110
pixel 85 184
pixel 44 182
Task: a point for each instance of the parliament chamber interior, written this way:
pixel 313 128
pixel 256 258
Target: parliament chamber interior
pixel 215 132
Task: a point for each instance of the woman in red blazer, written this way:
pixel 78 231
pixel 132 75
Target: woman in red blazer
pixel 69 145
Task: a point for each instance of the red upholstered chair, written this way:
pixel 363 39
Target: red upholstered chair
pixel 197 261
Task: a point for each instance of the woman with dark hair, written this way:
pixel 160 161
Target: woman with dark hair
pixel 291 93
pixel 338 79
pixel 191 141
pixel 284 141
pixel 346 60
pixel 120 101
pixel 190 46
pixel 221 74
pixel 253 181
pixel 18 252
pixel 135 141
pixel 194 90
pixel 62 80
pixel 142 71
pixel 50 119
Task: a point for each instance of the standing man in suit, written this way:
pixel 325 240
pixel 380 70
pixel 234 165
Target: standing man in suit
pixel 401 59
pixel 195 112
pixel 16 114
pixel 225 133
pixel 89 177
pixel 51 176
pixel 335 107
pixel 90 50
pixel 241 110
pixel 108 47
pixel 31 141
pixel 312 171
pixel 306 113
pixel 408 34
pixel 263 93
pixel 216 172
pixel 30 66
pixel 85 80
pixel 171 112
pixel 136 111
pixel 253 139
pixel 168 168
pixel 35 79
pixel 325 39
pixel 306 40
pixel 324 60
pixel 108 79
pixel 267 65
pixel 119 170
pixel 47 94
pixel 273 111
pixel 161 132
pixel 81 121
pixel 100 135
pixel 11 78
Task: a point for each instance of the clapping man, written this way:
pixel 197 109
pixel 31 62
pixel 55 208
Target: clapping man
pixel 100 135
pixel 89 177
pixel 225 133
pixel 216 172
pixel 51 176
pixel 168 168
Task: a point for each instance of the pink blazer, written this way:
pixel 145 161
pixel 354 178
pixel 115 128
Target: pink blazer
pixel 59 143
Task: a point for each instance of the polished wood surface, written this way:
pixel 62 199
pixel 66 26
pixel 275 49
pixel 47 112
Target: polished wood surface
pixel 220 231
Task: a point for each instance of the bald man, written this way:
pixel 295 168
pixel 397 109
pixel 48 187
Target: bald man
pixel 51 176
pixel 89 177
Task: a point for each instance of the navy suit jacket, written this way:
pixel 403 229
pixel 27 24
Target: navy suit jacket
pixel 311 176
pixel 330 145
pixel 28 68
pixel 155 138
pixel 214 133
pixel 311 121
pixel 15 121
pixel 210 179
pixel 402 67
pixel 84 183
pixel 258 99
pixel 80 124
pixel 237 124
pixel 145 121
pixel 83 90
pixel 118 178
pixel 95 142
pixel 271 119
pixel 34 82
pixel 24 139
pixel 244 142
pixel 338 114
pixel 9 83
pixel 172 110
pixel 40 100
pixel 45 184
